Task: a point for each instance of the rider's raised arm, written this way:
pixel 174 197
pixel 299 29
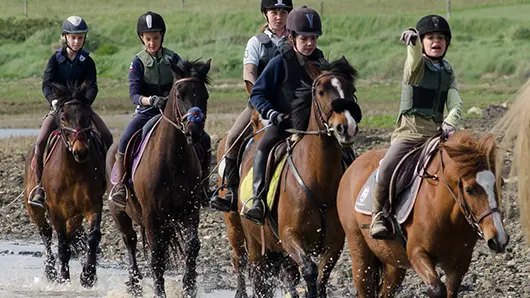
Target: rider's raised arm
pixel 266 89
pixel 413 69
pixel 454 104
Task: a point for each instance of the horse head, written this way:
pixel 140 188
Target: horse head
pixel 188 99
pixel 73 119
pixel 333 96
pixel 471 179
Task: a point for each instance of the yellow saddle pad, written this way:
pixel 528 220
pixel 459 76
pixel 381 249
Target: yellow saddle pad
pixel 246 186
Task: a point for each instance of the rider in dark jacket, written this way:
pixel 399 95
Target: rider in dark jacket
pixel 69 66
pixel 275 90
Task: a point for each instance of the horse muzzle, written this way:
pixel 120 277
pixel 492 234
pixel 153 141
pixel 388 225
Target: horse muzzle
pixel 346 130
pixel 81 156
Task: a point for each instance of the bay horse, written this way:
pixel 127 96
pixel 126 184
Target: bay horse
pixel 514 128
pixel 324 117
pixel 74 180
pixel 166 192
pixel 455 206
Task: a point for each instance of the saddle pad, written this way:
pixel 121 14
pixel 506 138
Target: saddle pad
pixel 402 206
pixel 246 186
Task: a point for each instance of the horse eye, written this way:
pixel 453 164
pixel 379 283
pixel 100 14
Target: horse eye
pixel 320 93
pixel 469 190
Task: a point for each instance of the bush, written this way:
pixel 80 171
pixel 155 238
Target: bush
pixel 521 33
pixel 20 29
pixel 106 49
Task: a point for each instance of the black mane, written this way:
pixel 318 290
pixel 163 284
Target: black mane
pixel 191 69
pixel 64 94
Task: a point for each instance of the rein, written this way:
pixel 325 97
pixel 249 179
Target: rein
pixel 464 206
pixel 80 134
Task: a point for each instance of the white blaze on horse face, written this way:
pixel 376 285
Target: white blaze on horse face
pixel 352 124
pixel 486 179
pixel 336 83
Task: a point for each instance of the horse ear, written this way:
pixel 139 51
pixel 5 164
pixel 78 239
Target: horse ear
pixel 312 70
pixel 206 67
pixel 344 60
pixel 176 69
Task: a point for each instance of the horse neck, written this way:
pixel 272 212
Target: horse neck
pixel 170 138
pixel 325 151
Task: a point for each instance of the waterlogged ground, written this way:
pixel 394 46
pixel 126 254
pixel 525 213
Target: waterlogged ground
pixel 490 275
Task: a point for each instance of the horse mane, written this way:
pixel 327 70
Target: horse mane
pixel 191 69
pixel 471 155
pixel 301 105
pixel 64 94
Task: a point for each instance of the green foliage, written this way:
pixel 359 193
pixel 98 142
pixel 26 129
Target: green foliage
pixel 521 33
pixel 20 29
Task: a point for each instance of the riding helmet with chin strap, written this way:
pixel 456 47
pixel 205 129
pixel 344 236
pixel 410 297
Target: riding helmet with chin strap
pixel 304 21
pixel 151 22
pixel 74 25
pixel 434 23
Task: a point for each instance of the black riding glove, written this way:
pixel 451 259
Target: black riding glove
pixel 158 102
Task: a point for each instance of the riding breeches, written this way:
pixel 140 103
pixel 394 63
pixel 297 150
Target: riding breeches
pixel 236 130
pixel 106 135
pixel 398 149
pixel 137 122
pixel 48 125
pixel 273 134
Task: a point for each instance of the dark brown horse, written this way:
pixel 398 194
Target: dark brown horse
pixel 74 181
pixel 308 223
pixel 453 209
pixel 166 196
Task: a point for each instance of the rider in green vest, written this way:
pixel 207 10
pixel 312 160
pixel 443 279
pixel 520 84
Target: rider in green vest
pixel 428 86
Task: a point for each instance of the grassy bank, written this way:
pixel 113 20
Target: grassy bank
pixel 490 51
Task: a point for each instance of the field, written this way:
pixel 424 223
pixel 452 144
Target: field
pixel 490 53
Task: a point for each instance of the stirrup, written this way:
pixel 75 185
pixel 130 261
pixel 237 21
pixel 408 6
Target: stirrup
pixel 116 203
pixel 259 221
pixel 31 197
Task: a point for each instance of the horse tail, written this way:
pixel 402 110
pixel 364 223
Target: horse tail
pixel 514 128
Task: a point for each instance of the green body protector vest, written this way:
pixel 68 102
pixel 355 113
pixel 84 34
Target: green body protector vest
pixel 429 96
pixel 158 77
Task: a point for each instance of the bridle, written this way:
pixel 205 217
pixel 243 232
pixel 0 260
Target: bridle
pixel 473 220
pixel 181 119
pixel 80 134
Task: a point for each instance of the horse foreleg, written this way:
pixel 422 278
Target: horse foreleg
pixel 128 235
pixel 88 275
pixel 392 279
pixel 191 247
pixel 290 276
pixel 307 266
pixel 236 238
pixel 158 241
pixel 64 255
pixel 454 276
pixel 259 272
pixel 327 262
pixel 365 265
pixel 425 267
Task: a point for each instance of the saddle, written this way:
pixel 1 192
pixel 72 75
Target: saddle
pixel 404 185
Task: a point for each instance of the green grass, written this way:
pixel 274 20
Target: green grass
pixel 490 51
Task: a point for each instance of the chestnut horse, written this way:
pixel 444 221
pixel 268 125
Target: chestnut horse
pixel 455 206
pixel 514 127
pixel 165 200
pixel 74 180
pixel 325 118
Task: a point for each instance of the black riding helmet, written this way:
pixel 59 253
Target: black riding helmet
pixel 304 21
pixel 272 4
pixel 434 23
pixel 151 22
pixel 74 25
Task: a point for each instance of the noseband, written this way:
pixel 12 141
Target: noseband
pixel 80 134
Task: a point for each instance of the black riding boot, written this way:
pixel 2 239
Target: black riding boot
pixel 229 201
pixel 118 194
pixel 39 195
pixel 257 212
pixel 378 229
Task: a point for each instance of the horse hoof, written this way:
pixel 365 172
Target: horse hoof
pixel 134 288
pixel 51 273
pixel 88 280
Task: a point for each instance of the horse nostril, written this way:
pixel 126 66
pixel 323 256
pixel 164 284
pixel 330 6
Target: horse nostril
pixel 340 128
pixel 495 246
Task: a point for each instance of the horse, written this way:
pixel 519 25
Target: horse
pixel 456 204
pixel 514 129
pixel 165 199
pixel 324 118
pixel 74 180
